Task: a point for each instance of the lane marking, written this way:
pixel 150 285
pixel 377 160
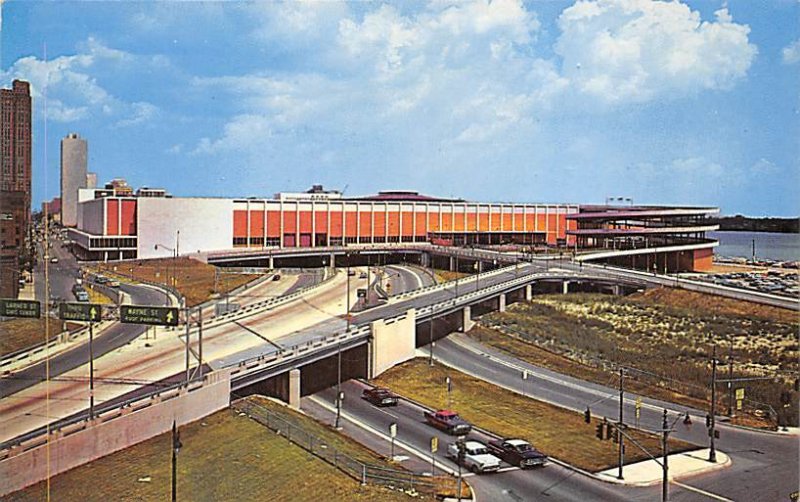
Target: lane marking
pixel 701 492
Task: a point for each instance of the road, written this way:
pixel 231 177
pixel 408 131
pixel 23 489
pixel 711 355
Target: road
pixel 156 357
pixel 402 278
pixel 760 469
pixel 553 482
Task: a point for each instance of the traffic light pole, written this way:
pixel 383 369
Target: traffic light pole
pixel 664 464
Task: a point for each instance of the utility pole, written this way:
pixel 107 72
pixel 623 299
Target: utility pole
pixel 91 370
pixel 664 465
pixel 187 346
pixel 730 377
pixel 338 385
pixel 430 351
pixel 619 433
pixel 712 452
pixel 176 447
pixel 200 343
pixel 347 255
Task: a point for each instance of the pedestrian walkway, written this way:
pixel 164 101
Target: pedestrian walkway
pixel 649 472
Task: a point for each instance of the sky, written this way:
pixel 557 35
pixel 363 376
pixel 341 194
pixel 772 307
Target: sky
pixel 694 103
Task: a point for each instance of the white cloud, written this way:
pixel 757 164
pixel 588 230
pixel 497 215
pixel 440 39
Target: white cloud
pixel 791 53
pixel 636 50
pixel 73 93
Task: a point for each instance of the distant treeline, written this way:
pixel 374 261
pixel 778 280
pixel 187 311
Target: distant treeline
pixel 746 224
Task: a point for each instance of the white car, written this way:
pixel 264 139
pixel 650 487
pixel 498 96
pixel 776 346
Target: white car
pixel 476 457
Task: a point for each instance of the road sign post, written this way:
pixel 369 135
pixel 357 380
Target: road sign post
pixel 146 314
pixel 86 312
pixel 29 309
pixel 434 449
pixel 393 434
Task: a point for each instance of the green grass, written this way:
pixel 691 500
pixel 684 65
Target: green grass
pixel 224 457
pixel 559 433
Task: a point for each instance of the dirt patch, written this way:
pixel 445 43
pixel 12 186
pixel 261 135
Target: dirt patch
pixel 195 280
pixel 559 433
pixel 666 333
pixel 18 334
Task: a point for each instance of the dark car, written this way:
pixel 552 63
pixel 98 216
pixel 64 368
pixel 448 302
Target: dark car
pixel 380 396
pixel 449 422
pixel 517 452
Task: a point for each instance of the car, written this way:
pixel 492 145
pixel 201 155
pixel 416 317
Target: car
pixel 54 260
pixel 351 272
pixel 380 396
pixel 477 457
pixel 448 421
pixel 517 452
pixel 362 275
pixel 276 277
pixel 101 279
pixel 112 283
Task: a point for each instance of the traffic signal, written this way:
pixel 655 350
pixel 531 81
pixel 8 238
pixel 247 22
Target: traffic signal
pixel 797 384
pixel 708 420
pixel 609 430
pixel 587 416
pixel 599 432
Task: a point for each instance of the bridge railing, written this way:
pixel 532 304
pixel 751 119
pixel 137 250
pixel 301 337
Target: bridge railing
pixel 361 471
pixel 448 284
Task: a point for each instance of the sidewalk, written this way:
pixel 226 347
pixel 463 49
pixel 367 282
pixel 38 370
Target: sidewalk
pixel 649 472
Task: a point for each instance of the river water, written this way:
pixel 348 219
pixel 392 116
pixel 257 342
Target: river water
pixel 770 246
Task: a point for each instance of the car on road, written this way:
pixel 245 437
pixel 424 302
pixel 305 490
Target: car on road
pixel 362 275
pixel 112 283
pixel 448 421
pixel 351 272
pixel 517 452
pixel 380 396
pixel 101 279
pixel 477 457
pixel 54 260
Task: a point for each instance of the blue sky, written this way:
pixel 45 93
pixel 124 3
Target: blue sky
pixel 664 102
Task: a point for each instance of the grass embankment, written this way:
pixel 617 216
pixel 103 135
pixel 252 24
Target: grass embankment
pixel 666 332
pixel 95 296
pixel 447 275
pixel 18 334
pixel 194 279
pixel 224 457
pixel 559 433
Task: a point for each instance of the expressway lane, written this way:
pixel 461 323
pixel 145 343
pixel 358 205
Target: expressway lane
pixel 404 278
pixel 152 359
pixel 759 459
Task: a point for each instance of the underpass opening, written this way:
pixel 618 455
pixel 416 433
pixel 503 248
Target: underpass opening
pixel 442 326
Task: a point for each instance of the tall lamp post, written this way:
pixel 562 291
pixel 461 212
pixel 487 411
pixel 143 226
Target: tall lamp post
pixel 174 252
pixel 347 255
pixel 176 447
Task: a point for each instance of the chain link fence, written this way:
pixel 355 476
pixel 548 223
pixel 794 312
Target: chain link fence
pixel 358 470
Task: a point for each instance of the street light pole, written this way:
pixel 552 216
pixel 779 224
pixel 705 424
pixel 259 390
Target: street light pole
pixel 621 438
pixel 664 463
pixel 91 370
pixel 348 291
pixel 712 452
pixel 730 376
pixel 430 353
pixel 338 385
pixel 176 446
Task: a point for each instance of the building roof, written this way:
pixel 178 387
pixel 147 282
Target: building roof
pixel 404 195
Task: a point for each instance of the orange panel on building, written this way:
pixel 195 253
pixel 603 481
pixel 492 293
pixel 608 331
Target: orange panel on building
pixel 562 226
pixel 336 224
pixel 460 222
pixel 519 222
pixel 351 224
pixel 507 222
pixel 321 221
pixel 408 224
pixel 128 223
pixel 496 224
pixel 552 220
pixel 305 222
pixel 703 260
pixel 541 222
pixel 240 223
pixel 447 222
pixel 273 223
pixel 394 224
pixel 289 222
pixel 433 222
pixel 112 215
pixel 366 223
pixel 256 223
pixel 483 221
pixel 472 219
pixel 422 228
pixel 380 223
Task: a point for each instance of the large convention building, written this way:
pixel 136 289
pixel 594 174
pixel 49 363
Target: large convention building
pixel 152 224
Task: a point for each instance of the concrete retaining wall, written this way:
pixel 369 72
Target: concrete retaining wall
pixel 392 342
pixel 114 430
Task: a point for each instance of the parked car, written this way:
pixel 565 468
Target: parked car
pixel 448 421
pixel 517 452
pixel 112 283
pixel 477 457
pixel 380 396
pixel 54 260
pixel 101 279
pixel 362 275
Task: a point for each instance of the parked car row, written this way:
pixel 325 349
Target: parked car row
pixel 474 455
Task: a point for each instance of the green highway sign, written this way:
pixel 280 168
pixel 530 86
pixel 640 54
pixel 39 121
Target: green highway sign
pixel 88 312
pixel 10 307
pixel 143 314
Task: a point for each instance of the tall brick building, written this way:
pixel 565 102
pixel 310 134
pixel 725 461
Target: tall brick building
pixel 15 182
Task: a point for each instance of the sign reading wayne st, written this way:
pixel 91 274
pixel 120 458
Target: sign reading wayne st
pixel 87 312
pixel 10 307
pixel 159 316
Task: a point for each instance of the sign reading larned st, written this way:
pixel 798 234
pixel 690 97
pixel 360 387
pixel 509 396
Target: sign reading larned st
pixel 143 314
pixel 87 312
pixel 10 307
